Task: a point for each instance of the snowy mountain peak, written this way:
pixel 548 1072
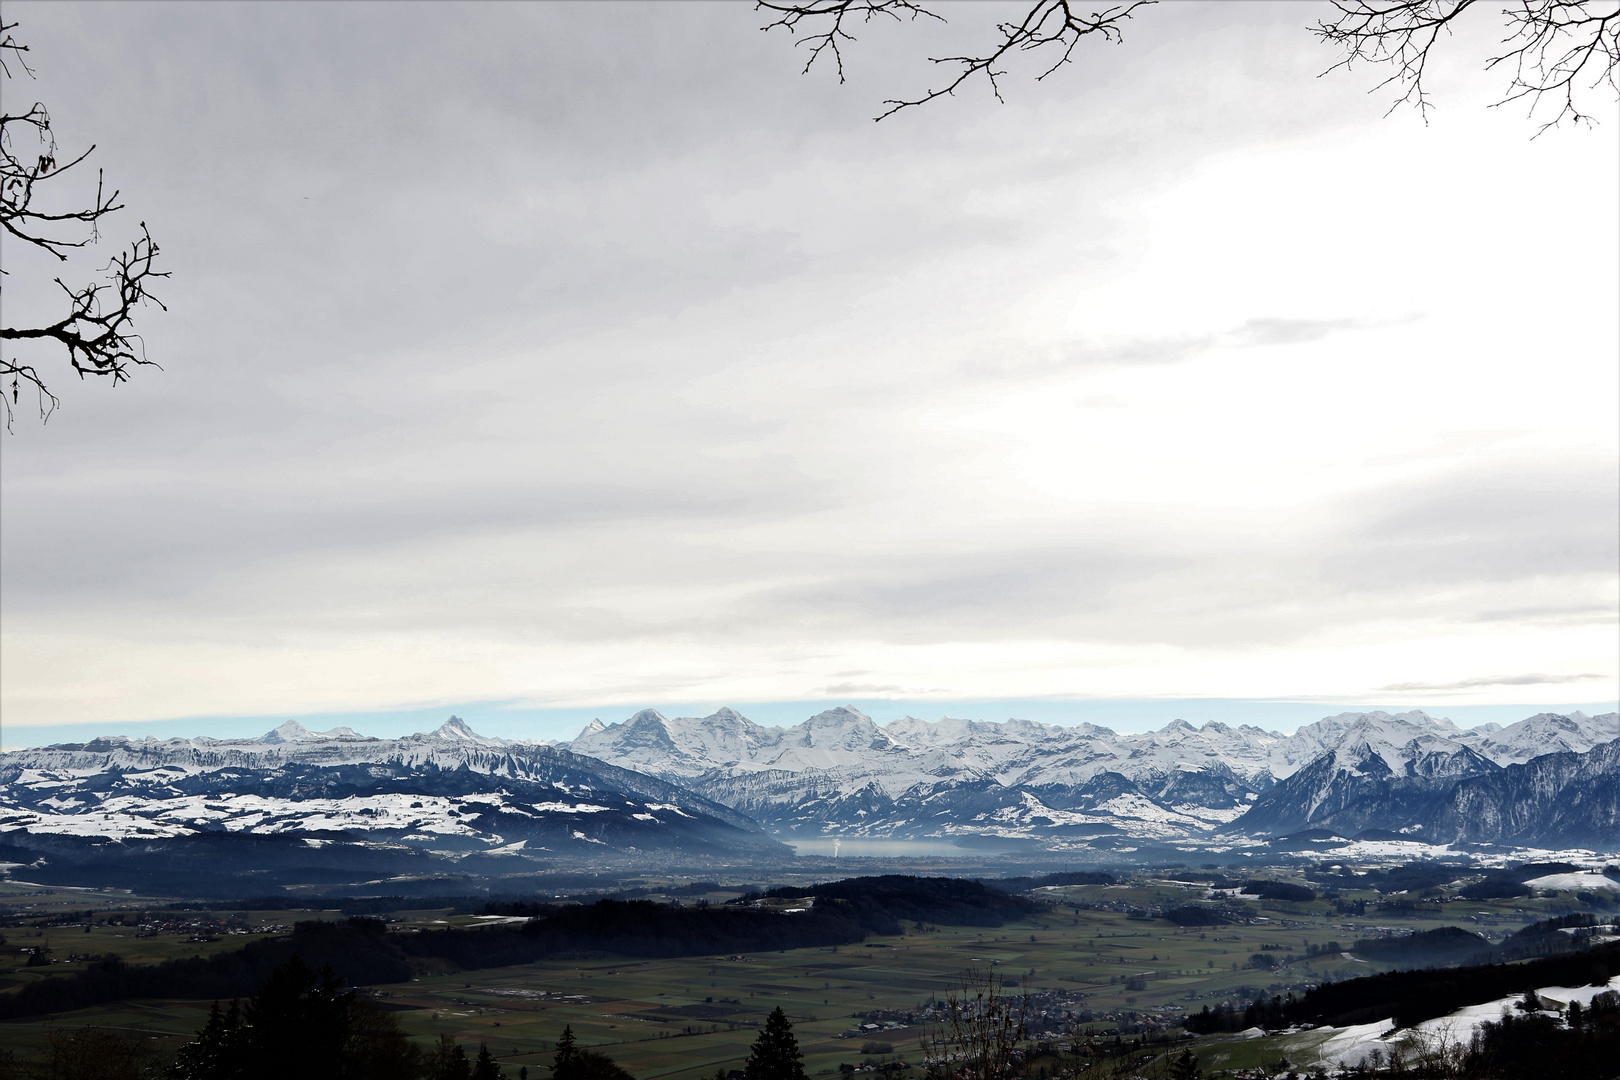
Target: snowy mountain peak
pixel 294 732
pixel 291 731
pixel 1543 733
pixel 348 733
pixel 455 729
pixel 843 728
pixel 593 727
pixel 843 716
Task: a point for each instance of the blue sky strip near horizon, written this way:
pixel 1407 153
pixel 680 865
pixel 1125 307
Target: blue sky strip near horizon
pixel 540 724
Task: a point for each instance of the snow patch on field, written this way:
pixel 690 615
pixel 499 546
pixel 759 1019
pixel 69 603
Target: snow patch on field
pixel 1585 880
pixel 1349 1047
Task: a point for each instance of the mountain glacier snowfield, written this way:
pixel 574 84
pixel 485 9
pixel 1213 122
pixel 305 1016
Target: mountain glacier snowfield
pixel 723 785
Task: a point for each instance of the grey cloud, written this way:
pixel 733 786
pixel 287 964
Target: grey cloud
pixel 1499 680
pixel 939 596
pixel 1151 351
pixel 1549 613
pixel 1290 331
pixel 1483 524
pixel 837 689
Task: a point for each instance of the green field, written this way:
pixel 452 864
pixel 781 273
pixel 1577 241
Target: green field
pixel 682 1018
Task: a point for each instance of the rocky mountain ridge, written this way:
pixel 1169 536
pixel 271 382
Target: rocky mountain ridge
pixel 840 772
pixel 687 784
pixel 449 791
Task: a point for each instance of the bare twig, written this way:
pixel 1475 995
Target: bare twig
pixel 97 330
pixel 9 44
pixel 1050 22
pixel 1553 47
pixel 978 1033
pixel 831 14
pixel 1058 23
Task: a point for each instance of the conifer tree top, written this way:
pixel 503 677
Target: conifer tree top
pixel 775 1054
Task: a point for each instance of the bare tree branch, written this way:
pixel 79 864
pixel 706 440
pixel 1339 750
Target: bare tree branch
pixel 9 44
pixel 97 330
pixel 976 1037
pixel 832 13
pixel 1058 23
pixel 1554 47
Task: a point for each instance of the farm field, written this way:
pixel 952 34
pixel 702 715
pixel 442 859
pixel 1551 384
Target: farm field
pixel 682 1018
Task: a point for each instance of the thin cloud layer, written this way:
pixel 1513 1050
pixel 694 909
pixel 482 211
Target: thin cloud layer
pixel 588 354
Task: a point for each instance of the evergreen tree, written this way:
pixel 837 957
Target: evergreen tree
pixel 376 1049
pixel 775 1054
pixel 302 1024
pixel 485 1067
pixel 448 1061
pixel 565 1051
pixel 219 1052
pixel 299 1023
pixel 1185 1067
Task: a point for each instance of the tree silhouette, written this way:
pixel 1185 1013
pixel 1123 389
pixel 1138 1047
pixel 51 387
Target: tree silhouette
pixel 485 1067
pixel 775 1054
pixel 219 1051
pixel 565 1051
pixel 299 1021
pixel 1553 48
pixel 449 1061
pixel 97 329
pixel 302 1023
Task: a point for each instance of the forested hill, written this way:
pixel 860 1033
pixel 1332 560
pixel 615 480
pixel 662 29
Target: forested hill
pixel 1407 998
pixel 362 951
pixel 1412 997
pixel 882 901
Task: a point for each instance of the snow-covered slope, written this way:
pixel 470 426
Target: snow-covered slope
pixel 450 789
pixel 685 784
pixel 841 772
pixel 1402 774
pixel 1543 733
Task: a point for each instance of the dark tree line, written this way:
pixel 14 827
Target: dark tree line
pixel 1278 890
pixel 302 1023
pixel 361 951
pixel 358 949
pixel 879 903
pixel 1411 997
pixel 1262 1012
pixel 1584 1045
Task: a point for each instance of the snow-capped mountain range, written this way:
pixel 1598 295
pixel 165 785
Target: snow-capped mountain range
pixel 707 785
pixel 840 772
pixel 450 790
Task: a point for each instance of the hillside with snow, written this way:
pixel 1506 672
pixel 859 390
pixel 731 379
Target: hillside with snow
pixel 841 772
pixel 723 786
pixel 450 792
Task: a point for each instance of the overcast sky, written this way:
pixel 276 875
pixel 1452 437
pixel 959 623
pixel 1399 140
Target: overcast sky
pixel 590 357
